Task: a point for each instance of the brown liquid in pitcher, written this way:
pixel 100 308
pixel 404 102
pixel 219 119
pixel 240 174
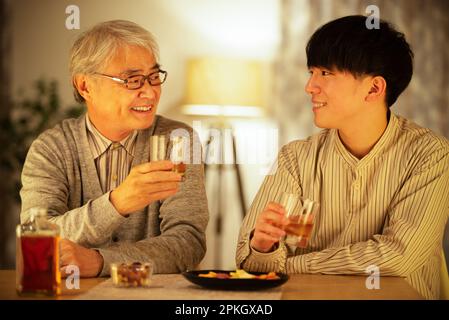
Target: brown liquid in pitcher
pixel 40 265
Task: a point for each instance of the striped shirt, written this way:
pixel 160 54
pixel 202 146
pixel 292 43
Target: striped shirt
pixel 388 209
pixel 112 159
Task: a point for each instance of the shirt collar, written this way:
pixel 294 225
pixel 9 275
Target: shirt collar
pixel 386 138
pixel 102 143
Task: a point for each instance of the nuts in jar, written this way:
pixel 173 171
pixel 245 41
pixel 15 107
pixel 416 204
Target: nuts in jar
pixel 134 274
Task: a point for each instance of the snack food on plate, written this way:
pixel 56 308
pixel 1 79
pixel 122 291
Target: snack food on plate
pixel 239 274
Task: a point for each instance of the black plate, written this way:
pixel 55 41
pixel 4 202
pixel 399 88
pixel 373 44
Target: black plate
pixel 233 284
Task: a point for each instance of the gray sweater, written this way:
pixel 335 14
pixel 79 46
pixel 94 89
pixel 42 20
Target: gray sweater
pixel 60 174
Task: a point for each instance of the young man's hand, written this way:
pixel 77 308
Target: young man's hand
pixel 89 261
pixel 145 184
pixel 269 227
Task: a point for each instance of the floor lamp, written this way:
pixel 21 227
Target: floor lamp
pixel 221 89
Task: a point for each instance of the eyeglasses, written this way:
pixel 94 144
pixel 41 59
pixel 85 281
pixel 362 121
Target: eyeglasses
pixel 136 82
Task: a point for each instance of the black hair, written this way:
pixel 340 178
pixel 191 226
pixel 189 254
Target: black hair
pixel 346 44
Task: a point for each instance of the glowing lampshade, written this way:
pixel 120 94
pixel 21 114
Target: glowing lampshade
pixel 224 87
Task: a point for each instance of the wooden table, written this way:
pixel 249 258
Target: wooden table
pixel 342 287
pixel 299 287
pixel 8 287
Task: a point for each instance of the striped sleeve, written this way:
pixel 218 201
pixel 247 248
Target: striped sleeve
pixel 283 179
pixel 388 208
pixel 409 232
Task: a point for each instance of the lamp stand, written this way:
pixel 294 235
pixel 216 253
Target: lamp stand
pixel 219 193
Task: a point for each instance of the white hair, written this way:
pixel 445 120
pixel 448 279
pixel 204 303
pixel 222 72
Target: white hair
pixel 96 46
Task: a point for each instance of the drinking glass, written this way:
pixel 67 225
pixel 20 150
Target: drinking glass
pixel 158 148
pixel 178 155
pixel 301 213
pixel 158 152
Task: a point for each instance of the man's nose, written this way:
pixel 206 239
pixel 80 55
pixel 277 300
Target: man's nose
pixel 148 91
pixel 312 86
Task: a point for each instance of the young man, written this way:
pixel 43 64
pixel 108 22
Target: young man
pixel 93 174
pixel 380 179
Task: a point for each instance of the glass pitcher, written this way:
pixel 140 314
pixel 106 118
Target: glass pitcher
pixel 37 255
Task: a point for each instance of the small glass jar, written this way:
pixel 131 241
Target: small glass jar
pixel 37 255
pixel 134 274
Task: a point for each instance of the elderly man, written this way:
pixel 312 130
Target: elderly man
pixel 93 173
pixel 381 179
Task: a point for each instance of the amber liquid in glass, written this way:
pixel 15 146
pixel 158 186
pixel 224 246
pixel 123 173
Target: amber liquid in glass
pixel 40 265
pixel 299 229
pixel 180 168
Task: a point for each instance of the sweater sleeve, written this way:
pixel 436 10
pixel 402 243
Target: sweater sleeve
pixel 183 217
pixel 182 243
pixel 45 184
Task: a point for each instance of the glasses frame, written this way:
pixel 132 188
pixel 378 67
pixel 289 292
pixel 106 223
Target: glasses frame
pixel 142 83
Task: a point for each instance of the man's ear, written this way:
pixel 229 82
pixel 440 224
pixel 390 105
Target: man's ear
pixel 377 89
pixel 82 84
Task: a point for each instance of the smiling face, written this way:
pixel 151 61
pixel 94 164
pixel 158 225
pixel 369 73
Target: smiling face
pixel 115 110
pixel 338 98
